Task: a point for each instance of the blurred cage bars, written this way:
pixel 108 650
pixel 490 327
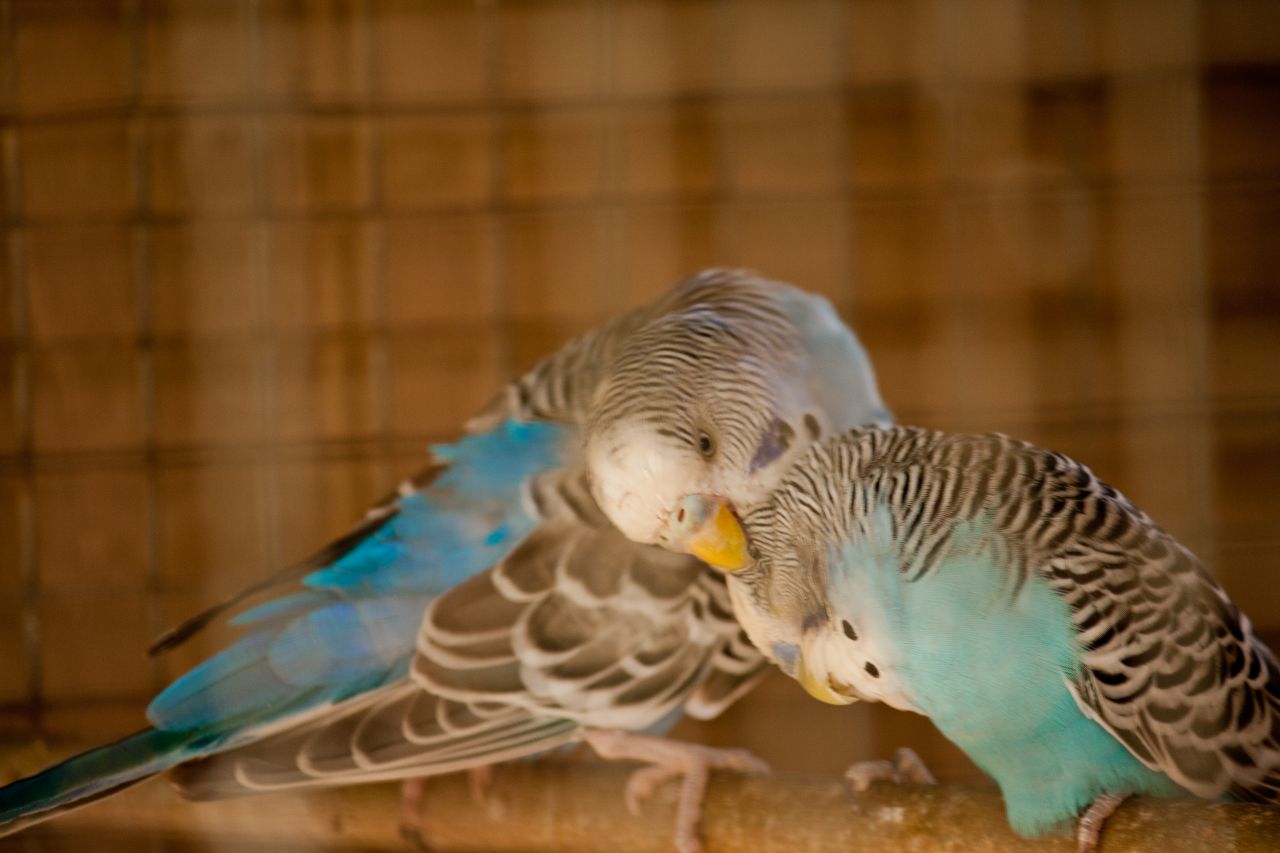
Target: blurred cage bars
pixel 260 252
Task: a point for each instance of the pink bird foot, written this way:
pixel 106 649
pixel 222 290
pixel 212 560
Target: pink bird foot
pixel 479 780
pixel 668 759
pixel 1089 832
pixel 906 767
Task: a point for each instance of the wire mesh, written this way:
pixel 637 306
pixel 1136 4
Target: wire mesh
pixel 259 253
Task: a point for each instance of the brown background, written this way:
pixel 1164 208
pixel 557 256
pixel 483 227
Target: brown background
pixel 258 253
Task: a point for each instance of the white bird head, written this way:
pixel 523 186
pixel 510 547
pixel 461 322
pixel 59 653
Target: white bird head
pixel 699 419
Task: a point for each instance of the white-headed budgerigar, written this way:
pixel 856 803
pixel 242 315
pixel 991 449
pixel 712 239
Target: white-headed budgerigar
pixel 489 609
pixel 1070 646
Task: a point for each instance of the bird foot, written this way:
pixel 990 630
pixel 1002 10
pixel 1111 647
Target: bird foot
pixel 668 759
pixel 480 782
pixel 1089 831
pixel 411 791
pixel 906 767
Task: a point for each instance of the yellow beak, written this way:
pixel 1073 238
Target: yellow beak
pixel 819 688
pixel 720 541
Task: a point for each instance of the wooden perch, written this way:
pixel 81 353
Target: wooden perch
pixel 577 807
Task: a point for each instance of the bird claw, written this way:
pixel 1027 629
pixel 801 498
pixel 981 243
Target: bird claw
pixel 412 837
pixel 1089 830
pixel 411 791
pixel 906 767
pixel 668 759
pixel 480 782
pixel 642 784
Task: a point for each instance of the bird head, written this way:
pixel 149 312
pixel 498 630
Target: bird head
pixel 693 425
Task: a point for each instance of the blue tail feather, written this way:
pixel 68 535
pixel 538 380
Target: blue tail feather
pixel 95 774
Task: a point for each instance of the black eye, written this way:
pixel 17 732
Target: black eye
pixel 705 445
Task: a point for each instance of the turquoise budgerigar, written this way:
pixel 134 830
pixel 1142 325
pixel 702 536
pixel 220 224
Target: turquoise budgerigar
pixel 1070 646
pixel 488 609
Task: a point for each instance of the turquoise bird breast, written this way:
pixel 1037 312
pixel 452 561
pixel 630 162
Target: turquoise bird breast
pixel 991 669
pixel 1047 625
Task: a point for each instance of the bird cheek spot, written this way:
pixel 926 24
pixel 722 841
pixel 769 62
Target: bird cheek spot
pixel 786 654
pixel 775 441
pixel 872 669
pixel 812 426
pixel 848 630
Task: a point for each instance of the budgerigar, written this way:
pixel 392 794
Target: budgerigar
pixel 488 609
pixel 1070 646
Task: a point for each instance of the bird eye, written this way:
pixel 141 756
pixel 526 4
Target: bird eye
pixel 705 445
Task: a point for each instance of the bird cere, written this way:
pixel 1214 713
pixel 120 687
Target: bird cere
pixel 509 600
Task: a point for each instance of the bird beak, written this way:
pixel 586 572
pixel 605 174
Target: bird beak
pixel 820 689
pixel 719 540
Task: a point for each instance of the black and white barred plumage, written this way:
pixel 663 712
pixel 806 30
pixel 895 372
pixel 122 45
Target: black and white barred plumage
pixel 1167 664
pixel 577 626
pixel 624 367
pixel 529 544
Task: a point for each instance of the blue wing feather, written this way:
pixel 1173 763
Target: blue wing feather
pixel 353 624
